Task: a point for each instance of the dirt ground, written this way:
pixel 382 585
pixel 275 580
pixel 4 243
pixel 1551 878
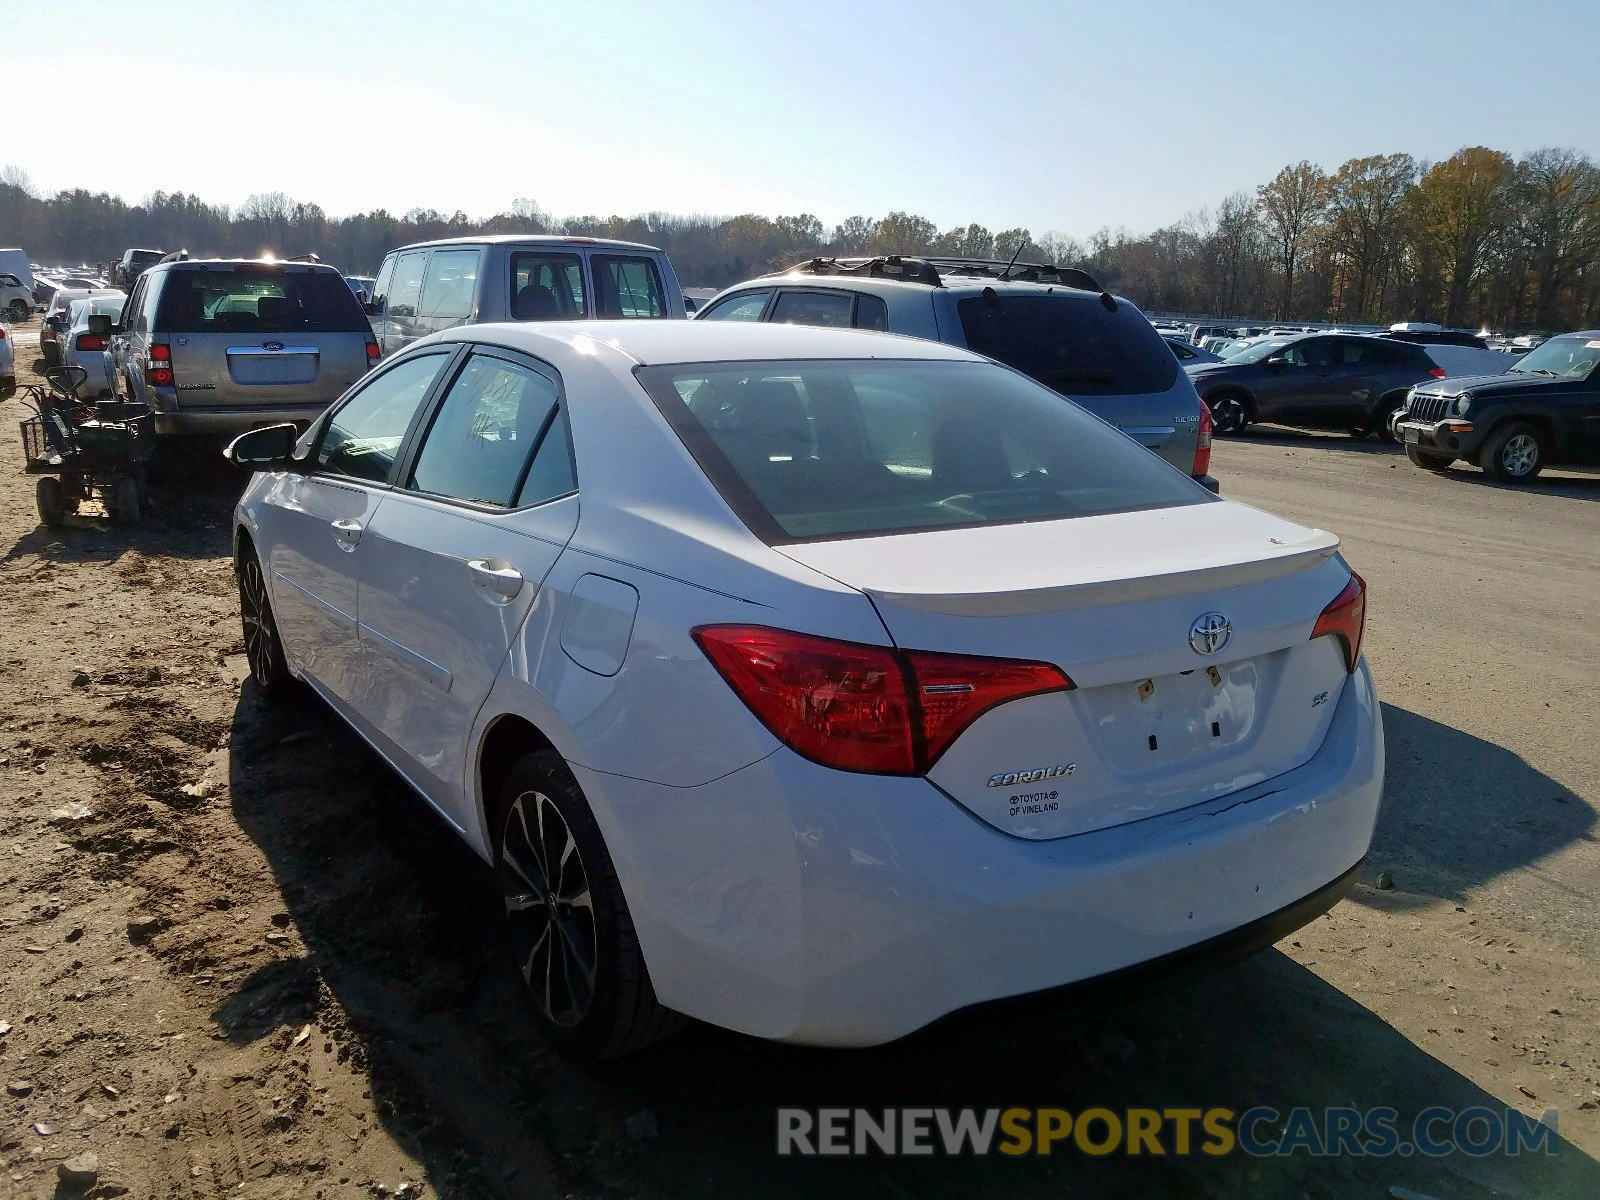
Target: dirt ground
pixel 238 958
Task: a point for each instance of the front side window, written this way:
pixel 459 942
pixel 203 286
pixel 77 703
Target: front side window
pixel 485 432
pixel 746 306
pixel 627 285
pixel 380 289
pixel 405 291
pixel 362 437
pixel 817 449
pixel 813 308
pixel 258 298
pixel 547 287
pixel 452 284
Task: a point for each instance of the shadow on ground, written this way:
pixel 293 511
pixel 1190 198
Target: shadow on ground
pixel 399 922
pixel 1459 811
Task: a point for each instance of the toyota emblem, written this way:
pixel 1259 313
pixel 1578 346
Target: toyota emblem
pixel 1209 633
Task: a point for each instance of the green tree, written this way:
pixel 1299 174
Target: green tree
pixel 1291 206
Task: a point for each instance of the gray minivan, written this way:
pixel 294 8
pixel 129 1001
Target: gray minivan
pixel 431 286
pixel 1053 323
pixel 217 346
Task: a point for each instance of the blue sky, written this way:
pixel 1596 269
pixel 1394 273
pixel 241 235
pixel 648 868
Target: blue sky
pixel 1058 116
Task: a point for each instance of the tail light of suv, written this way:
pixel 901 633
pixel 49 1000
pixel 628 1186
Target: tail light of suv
pixel 873 709
pixel 1438 372
pixel 1202 444
pixel 1346 618
pixel 373 353
pixel 158 366
pixel 89 341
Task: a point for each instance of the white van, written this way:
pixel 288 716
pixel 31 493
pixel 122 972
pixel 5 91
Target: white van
pixel 15 262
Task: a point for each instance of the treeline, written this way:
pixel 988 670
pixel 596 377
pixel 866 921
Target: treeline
pixel 1479 238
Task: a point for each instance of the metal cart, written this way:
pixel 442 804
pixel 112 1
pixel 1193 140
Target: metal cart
pixel 82 449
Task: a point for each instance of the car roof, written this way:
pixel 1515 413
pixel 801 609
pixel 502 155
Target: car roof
pixel 953 282
pixel 531 239
pixel 673 341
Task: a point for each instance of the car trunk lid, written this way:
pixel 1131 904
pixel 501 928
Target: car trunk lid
pixel 1187 632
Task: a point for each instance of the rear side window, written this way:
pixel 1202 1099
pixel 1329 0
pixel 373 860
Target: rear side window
pixel 547 287
pixel 452 284
pixel 627 286
pixel 813 308
pixel 1070 342
pixel 258 298
pixel 362 437
pixel 816 450
pixel 871 312
pixel 746 306
pixel 480 443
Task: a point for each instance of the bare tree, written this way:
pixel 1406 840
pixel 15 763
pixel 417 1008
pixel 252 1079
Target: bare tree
pixel 1291 205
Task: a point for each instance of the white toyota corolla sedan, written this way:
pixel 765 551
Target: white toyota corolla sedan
pixel 814 683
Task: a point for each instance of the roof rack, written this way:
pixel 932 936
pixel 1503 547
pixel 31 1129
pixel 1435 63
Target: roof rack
pixel 304 258
pixel 890 266
pixel 927 269
pixel 175 256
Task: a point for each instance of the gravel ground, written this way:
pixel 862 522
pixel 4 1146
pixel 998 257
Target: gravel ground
pixel 238 958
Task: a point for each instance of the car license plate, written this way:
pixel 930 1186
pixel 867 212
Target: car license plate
pixel 1413 435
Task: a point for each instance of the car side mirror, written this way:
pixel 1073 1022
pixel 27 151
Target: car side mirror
pixel 372 309
pixel 266 449
pixel 100 324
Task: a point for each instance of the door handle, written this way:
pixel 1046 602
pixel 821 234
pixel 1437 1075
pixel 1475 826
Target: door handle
pixel 502 582
pixel 347 534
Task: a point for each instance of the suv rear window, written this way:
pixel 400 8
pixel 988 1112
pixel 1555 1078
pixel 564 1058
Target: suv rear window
pixel 1071 343
pixel 258 298
pixel 626 286
pixel 821 450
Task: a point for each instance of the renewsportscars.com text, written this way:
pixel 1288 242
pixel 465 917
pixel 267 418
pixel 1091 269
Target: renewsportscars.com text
pixel 1260 1131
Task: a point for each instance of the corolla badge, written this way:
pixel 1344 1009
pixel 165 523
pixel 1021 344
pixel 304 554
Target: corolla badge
pixel 272 346
pixel 1209 633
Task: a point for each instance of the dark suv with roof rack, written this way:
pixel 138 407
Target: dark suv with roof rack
pixel 1053 323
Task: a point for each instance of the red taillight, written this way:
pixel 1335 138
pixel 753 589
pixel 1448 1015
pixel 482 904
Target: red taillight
pixel 865 708
pixel 1346 618
pixel 90 341
pixel 158 365
pixel 1438 372
pixel 1202 444
pixel 373 352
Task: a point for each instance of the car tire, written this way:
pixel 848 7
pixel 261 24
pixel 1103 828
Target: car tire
pixel 51 498
pixel 263 647
pixel 19 311
pixel 1381 422
pixel 1513 453
pixel 50 354
pixel 1230 413
pixel 1428 462
pixel 572 940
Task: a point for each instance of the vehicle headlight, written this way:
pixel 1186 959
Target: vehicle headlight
pixel 1463 402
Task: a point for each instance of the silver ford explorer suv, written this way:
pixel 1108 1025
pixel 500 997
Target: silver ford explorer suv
pixel 218 346
pixel 1053 323
pixel 433 286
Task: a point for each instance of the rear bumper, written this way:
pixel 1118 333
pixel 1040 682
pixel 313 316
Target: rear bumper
pixel 230 419
pixel 794 902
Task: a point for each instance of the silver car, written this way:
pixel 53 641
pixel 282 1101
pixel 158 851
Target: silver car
pixel 82 344
pixel 1052 323
pixel 219 346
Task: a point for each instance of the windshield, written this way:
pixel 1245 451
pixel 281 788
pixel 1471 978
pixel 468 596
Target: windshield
pixel 816 450
pixel 1258 351
pixel 1563 357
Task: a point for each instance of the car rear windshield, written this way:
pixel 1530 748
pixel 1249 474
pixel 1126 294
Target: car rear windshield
pixel 143 258
pixel 821 450
pixel 1072 343
pixel 258 298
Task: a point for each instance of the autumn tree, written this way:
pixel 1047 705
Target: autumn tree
pixel 1291 206
pixel 1462 205
pixel 1366 197
pixel 1555 195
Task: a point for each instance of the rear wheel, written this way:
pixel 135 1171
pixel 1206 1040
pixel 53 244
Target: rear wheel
pixel 262 646
pixel 1229 413
pixel 51 355
pixel 124 501
pixel 571 936
pixel 52 501
pixel 1513 453
pixel 1381 421
pixel 1428 462
pixel 19 311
